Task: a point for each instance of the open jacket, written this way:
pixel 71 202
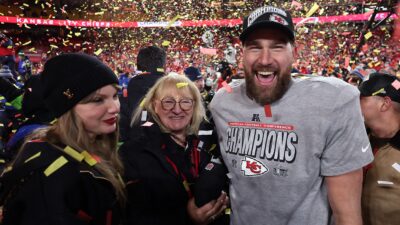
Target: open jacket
pixel 158 188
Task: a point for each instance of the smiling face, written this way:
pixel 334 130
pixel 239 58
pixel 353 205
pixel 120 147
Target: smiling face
pixel 99 112
pixel 267 60
pixel 174 117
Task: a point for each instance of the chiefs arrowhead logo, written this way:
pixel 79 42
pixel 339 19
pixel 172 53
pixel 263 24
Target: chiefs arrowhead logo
pixel 253 167
pixel 278 19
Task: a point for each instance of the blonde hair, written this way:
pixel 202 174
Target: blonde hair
pixel 159 88
pixel 69 130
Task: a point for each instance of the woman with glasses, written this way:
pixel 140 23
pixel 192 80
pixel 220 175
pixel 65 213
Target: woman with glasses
pixel 162 164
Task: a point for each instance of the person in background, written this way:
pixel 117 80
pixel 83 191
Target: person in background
pixel 380 105
pixel 24 66
pixel 68 173
pixel 7 54
pixel 194 74
pixel 163 163
pixel 35 114
pixel 294 148
pixel 208 91
pixel 151 61
pixel 10 112
pixel 225 70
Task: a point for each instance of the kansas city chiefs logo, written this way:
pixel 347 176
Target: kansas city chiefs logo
pixel 278 19
pixel 253 167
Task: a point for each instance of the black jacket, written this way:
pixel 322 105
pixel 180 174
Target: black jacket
pixel 73 194
pixel 156 194
pixel 137 89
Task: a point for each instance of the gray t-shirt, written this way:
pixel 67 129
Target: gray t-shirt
pixel 277 164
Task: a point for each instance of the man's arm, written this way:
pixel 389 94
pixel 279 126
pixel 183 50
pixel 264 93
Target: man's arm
pixel 344 193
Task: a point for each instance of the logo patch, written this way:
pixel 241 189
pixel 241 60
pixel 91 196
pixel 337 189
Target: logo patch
pixel 280 172
pixel 209 166
pixel 364 149
pixel 253 167
pixel 278 19
pixel 256 118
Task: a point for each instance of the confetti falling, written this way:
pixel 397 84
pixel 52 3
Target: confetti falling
pixel 118 47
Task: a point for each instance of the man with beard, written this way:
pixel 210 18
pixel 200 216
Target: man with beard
pixel 294 148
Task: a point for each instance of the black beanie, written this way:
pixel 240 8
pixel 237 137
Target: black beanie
pixel 33 98
pixel 68 78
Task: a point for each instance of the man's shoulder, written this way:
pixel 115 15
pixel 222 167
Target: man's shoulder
pixel 325 85
pixel 144 77
pixel 231 90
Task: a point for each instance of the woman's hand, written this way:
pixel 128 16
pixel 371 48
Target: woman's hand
pixel 208 212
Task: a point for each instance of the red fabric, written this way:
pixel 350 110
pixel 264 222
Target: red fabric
pixel 6 51
pixel 84 216
pixel 267 110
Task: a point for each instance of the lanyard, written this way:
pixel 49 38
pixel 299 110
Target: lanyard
pixel 195 161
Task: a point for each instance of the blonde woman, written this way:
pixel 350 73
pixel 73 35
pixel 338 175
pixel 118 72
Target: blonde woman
pixel 163 163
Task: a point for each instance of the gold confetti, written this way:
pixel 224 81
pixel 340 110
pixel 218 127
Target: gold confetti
pixel 368 35
pixel 142 102
pixel 73 153
pixel 313 9
pixel 181 84
pixel 26 43
pixel 173 21
pixel 88 158
pixel 33 157
pixel 57 164
pixel 98 52
pixel 165 43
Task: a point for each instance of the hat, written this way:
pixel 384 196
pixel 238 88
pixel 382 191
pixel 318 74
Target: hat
pixel 268 16
pixel 357 73
pixel 381 84
pixel 193 73
pixel 211 182
pixel 5 72
pixel 68 78
pixel 33 100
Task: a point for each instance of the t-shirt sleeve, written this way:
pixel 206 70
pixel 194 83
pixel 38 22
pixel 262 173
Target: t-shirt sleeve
pixel 347 144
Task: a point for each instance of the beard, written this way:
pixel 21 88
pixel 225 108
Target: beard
pixel 264 96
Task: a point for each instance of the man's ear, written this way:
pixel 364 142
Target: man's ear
pixel 386 104
pixel 294 52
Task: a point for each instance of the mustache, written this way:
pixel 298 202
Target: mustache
pixel 264 68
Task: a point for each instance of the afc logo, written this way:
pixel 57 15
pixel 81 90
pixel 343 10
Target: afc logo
pixel 253 167
pixel 256 118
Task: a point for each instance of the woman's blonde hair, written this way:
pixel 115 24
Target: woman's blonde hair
pixel 69 130
pixel 182 84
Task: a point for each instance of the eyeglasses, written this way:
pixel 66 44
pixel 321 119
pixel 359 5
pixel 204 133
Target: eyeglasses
pixel 169 103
